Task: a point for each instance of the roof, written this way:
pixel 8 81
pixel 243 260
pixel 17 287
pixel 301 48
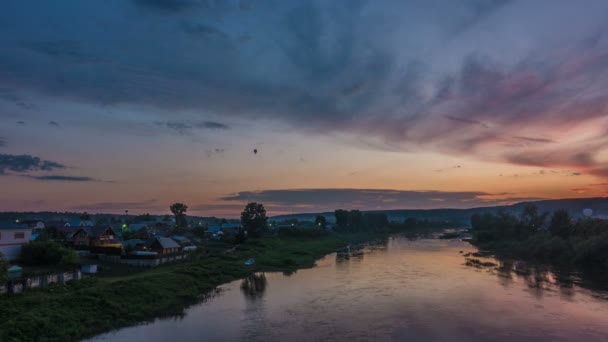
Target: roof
pixel 231 226
pixel 213 229
pixel 179 238
pixel 137 226
pixel 95 231
pixel 165 242
pixel 13 225
pixel 80 223
pixel 133 242
pixel 55 224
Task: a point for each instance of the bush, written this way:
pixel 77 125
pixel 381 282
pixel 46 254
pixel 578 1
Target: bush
pixel 592 253
pixel 46 253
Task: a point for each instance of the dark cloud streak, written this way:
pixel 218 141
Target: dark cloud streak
pixel 369 199
pixel 26 163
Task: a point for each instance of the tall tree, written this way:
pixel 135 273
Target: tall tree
pixel 341 219
pixel 561 224
pixel 320 221
pixel 355 220
pixel 85 216
pixel 179 210
pixel 254 219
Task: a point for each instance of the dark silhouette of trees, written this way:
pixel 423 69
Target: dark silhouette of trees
pixel 85 216
pixel 179 211
pixel 355 220
pixel 37 253
pixel 341 219
pixel 376 221
pixel 584 243
pixel 561 224
pixel 321 222
pixel 254 219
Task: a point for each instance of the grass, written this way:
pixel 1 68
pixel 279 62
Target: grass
pixel 99 304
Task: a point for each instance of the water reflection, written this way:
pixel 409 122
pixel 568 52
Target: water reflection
pixel 539 279
pixel 254 286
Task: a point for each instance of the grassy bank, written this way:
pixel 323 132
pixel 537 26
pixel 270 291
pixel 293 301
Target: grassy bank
pixel 100 304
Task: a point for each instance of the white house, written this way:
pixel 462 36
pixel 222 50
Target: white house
pixel 12 237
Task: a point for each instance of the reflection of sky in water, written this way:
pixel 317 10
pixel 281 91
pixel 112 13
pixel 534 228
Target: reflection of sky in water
pixel 403 290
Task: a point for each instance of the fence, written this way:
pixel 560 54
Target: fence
pixel 143 261
pixel 16 286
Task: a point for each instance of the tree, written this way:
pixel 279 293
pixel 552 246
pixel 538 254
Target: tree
pixel 179 210
pixel 254 219
pixel 531 220
pixel 376 221
pixel 341 219
pixel 321 222
pixel 355 220
pixel 560 224
pixel 410 223
pixel 85 216
pixel 38 253
pixel 3 270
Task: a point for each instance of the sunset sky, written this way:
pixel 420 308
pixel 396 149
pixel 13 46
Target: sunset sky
pixel 136 104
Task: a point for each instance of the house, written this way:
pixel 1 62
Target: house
pixel 93 236
pixel 214 229
pixel 231 226
pixel 34 224
pixel 12 237
pixel 79 223
pixel 231 229
pixel 133 244
pixel 163 246
pixel 180 239
pixel 64 233
pixel 135 227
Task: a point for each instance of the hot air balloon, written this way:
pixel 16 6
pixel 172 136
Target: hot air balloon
pixel 255 151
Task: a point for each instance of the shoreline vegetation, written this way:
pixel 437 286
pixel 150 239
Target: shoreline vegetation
pixel 98 305
pixel 548 238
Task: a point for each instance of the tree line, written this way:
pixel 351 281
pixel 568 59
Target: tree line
pixel 552 237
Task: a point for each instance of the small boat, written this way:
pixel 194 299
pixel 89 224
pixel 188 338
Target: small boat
pixel 249 262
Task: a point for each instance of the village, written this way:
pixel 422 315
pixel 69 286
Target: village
pixel 98 242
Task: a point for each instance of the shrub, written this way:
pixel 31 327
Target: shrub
pixel 45 253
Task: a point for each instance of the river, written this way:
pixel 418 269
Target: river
pixel 401 289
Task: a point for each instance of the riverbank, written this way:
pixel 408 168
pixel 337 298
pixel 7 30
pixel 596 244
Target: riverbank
pixel 100 304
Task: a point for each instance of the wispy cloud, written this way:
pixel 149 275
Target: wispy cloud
pixel 58 178
pixel 149 205
pixel 26 163
pixel 183 127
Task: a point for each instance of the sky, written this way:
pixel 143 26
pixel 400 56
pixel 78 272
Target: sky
pixel 117 105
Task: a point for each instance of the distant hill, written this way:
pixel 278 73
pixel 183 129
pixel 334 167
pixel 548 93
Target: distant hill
pixel 575 207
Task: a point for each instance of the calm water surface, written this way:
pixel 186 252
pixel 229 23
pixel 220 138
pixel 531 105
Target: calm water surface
pixel 406 290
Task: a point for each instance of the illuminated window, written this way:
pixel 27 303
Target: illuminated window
pixel 19 236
